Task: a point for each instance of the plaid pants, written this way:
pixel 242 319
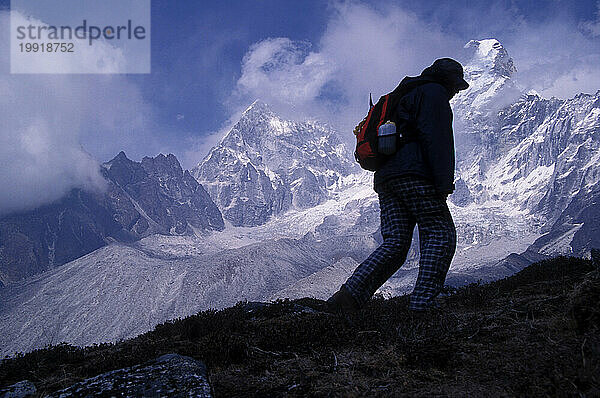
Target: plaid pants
pixel 404 202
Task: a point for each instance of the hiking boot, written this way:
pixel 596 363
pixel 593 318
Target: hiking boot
pixel 341 302
pixel 425 313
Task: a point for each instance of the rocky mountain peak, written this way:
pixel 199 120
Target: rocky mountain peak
pixel 123 170
pixel 489 55
pixel 120 156
pixel 258 107
pixel 120 159
pixel 162 165
pixel 268 162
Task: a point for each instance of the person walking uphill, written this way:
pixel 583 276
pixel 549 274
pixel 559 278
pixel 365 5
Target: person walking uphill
pixel 413 185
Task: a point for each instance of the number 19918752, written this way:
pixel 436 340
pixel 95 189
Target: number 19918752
pixel 47 47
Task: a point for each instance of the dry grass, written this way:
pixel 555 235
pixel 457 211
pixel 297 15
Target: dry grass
pixel 533 334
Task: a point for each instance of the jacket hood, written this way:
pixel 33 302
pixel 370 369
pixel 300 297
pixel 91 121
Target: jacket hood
pixel 448 72
pixel 444 71
pixel 410 82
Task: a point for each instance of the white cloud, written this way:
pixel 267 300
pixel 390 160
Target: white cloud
pixel 45 119
pixel 362 51
pixel 40 153
pixel 284 71
pixel 555 58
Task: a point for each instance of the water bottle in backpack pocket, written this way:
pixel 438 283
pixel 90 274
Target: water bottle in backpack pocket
pixel 376 140
pixel 387 138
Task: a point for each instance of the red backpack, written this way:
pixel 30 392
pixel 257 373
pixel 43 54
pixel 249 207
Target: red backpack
pixel 385 109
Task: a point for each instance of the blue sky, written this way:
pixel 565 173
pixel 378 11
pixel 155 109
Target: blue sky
pixel 197 53
pixel 197 50
pixel 305 58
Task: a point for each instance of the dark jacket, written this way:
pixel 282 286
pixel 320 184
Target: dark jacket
pixel 431 153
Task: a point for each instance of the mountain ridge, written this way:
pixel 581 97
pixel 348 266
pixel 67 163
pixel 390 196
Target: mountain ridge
pixel 141 198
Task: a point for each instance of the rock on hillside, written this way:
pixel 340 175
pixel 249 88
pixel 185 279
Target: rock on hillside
pixel 170 375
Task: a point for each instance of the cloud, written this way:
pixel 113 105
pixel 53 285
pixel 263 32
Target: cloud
pixel 47 120
pixel 374 49
pixel 362 51
pixel 40 152
pixel 593 27
pixel 284 71
pixel 368 49
pixel 40 167
pixel 556 57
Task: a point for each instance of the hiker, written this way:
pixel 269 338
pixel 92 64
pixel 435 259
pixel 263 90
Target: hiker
pixel 413 185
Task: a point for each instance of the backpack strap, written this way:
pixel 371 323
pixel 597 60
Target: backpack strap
pixel 406 121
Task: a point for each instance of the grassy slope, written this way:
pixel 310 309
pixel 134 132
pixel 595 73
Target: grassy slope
pixel 533 334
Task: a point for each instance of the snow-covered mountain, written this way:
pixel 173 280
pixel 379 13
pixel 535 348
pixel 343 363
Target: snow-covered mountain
pixel 266 165
pixel 490 74
pixel 142 198
pixel 301 215
pixel 538 155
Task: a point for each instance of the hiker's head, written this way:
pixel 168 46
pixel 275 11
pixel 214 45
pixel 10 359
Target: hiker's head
pixel 449 72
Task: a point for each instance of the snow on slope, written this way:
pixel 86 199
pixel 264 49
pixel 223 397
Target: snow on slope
pixel 121 291
pixel 322 284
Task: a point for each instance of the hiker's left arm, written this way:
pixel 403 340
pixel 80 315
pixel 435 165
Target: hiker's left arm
pixel 436 136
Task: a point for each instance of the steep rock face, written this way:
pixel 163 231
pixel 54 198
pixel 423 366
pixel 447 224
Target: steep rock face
pixel 518 120
pixel 34 241
pixel 545 158
pixel 574 136
pixel 142 198
pixel 165 198
pixel 577 229
pixel 266 165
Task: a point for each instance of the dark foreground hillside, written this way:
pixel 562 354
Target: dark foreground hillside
pixel 534 334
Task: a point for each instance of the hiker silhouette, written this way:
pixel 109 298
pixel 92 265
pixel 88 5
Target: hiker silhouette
pixel 413 185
